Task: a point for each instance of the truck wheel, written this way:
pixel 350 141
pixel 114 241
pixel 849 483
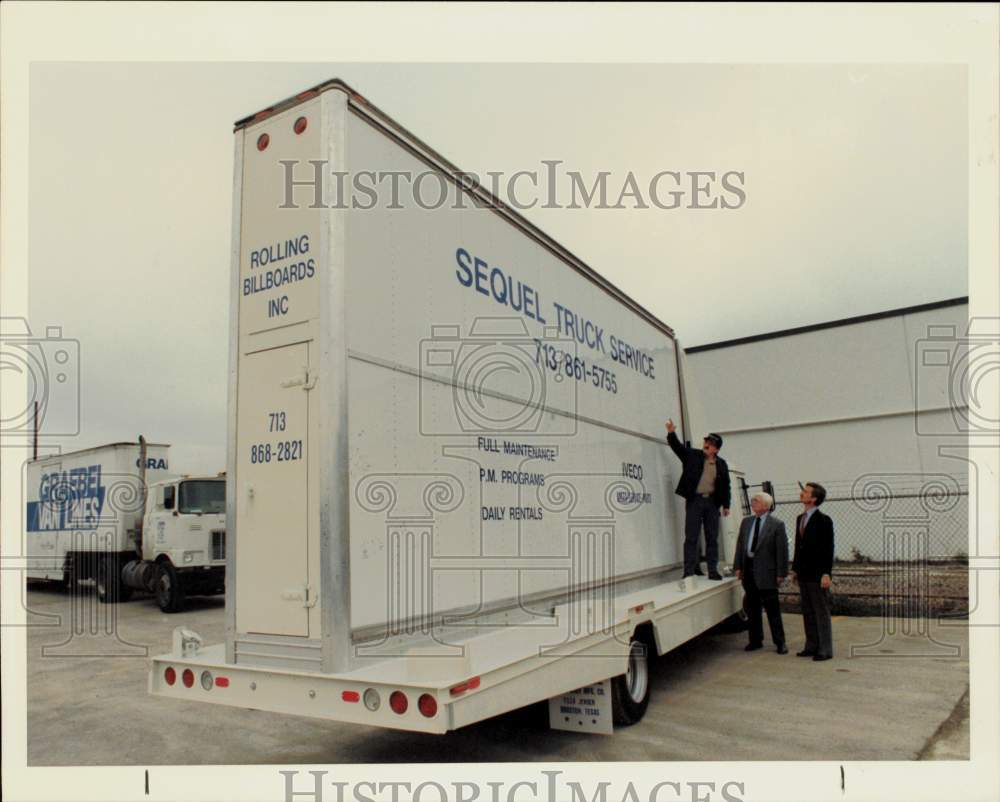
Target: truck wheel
pixel 737 622
pixel 630 691
pixel 110 588
pixel 169 593
pixel 69 581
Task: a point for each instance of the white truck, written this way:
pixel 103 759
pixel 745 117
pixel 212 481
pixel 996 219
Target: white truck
pixel 447 464
pixel 115 514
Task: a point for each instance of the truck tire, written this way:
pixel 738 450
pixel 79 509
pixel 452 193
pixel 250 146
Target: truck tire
pixel 738 621
pixel 110 588
pixel 169 592
pixel 630 691
pixel 70 583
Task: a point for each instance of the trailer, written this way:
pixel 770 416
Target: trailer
pixel 117 516
pixel 446 456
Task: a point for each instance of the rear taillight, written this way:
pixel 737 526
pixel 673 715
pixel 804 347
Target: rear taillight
pixel 263 141
pixel 222 682
pixel 468 685
pixel 351 696
pixel 188 678
pixel 398 702
pixel 170 676
pixel 428 705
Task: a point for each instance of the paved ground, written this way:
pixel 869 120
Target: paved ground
pixel 951 741
pixel 899 696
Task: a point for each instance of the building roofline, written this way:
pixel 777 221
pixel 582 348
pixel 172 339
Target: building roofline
pixel 121 444
pixel 464 181
pixel 847 321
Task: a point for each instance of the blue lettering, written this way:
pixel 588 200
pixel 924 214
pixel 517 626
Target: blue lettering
pixel 504 289
pixel 529 298
pixel 481 275
pixel 522 291
pixel 277 306
pixel 463 267
pixel 70 499
pixel 500 297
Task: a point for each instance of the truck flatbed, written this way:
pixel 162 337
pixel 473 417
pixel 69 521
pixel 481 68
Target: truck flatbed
pixel 472 671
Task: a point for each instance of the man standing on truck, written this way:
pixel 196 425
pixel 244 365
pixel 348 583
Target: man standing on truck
pixel 704 485
pixel 811 567
pixel 761 563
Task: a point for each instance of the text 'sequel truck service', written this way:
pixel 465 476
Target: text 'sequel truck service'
pixel 115 514
pixel 447 472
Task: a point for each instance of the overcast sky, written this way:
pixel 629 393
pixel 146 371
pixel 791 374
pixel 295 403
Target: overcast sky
pixel 855 181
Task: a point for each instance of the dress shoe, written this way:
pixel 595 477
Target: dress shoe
pixel 686 576
pixel 698 572
pixel 822 657
pixel 805 653
pixel 715 575
pixel 782 649
pixel 752 647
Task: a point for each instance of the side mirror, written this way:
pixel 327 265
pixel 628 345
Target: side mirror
pixel 168 497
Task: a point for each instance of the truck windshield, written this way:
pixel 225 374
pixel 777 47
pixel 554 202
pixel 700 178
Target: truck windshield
pixel 202 496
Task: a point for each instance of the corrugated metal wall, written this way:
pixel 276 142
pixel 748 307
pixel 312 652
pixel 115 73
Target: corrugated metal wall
pixel 877 410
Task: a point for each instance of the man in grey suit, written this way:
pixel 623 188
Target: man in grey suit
pixel 761 563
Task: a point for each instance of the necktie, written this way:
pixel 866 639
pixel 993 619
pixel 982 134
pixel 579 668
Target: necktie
pixel 802 524
pixel 756 531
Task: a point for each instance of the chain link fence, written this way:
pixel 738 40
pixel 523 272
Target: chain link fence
pixel 882 518
pixel 900 540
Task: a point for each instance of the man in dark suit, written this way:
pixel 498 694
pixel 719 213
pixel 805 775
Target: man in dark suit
pixel 761 563
pixel 812 567
pixel 705 486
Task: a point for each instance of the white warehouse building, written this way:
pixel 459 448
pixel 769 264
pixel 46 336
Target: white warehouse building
pixel 873 407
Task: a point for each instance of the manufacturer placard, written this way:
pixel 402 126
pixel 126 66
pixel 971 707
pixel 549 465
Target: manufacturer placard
pixel 587 709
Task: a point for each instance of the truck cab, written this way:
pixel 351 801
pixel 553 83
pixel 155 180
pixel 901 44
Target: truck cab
pixel 184 537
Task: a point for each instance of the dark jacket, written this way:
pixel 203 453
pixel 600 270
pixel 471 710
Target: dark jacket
pixel 770 559
pixel 813 548
pixel 693 460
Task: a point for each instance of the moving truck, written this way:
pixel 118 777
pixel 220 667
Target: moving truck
pixel 447 464
pixel 116 515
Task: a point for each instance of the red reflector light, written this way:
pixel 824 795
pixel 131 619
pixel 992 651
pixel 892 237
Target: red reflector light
pixel 170 676
pixel 263 141
pixel 222 682
pixel 188 678
pixel 428 705
pixel 351 696
pixel 468 685
pixel 304 95
pixel 300 125
pixel 398 702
